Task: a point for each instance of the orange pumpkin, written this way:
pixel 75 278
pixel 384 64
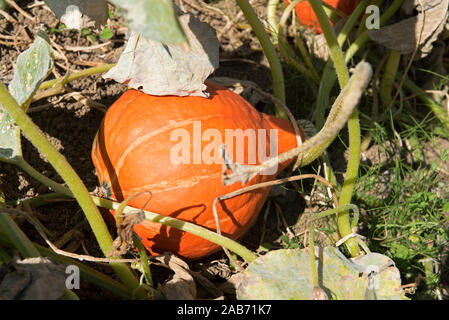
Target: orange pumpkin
pixel 307 17
pixel 133 152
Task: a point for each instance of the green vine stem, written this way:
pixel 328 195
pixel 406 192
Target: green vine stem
pixel 154 217
pixel 288 53
pixel 55 86
pixel 349 24
pixel 331 39
pixel 76 75
pixel 25 166
pixel 270 53
pixel 271 19
pixel 352 169
pixel 184 226
pixel 313 266
pixel 21 242
pixel 16 236
pixel 38 139
pixel 351 175
pixel 143 261
pixel 326 85
pixel 328 78
pixel 363 37
pixel 386 85
pixel 299 43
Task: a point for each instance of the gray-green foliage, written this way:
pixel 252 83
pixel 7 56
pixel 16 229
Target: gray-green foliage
pixel 153 19
pixel 286 275
pixel 32 67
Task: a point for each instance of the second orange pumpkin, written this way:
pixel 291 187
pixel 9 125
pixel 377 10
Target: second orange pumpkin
pixel 307 17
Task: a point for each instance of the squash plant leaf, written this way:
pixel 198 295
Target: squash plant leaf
pixel 155 19
pixel 33 65
pixel 286 274
pixel 160 69
pixel 10 149
pixel 79 14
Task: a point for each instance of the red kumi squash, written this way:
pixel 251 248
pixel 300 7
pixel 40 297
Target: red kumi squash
pixel 132 152
pixel 307 17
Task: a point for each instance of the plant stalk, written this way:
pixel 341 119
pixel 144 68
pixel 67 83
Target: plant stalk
pixel 17 237
pixel 331 39
pixel 168 221
pixel 386 85
pixel 76 75
pixel 352 169
pixel 61 165
pixel 270 53
pixel 326 85
pixel 271 19
pixel 204 233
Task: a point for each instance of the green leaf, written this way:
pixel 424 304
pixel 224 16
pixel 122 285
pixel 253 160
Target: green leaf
pixel 2 4
pixel 10 149
pixel 286 275
pixel 33 65
pixel 110 13
pixel 154 19
pixel 446 207
pixel 106 34
pixel 92 38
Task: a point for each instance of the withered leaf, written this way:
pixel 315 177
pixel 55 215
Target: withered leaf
pixel 32 279
pixel 79 14
pixel 419 31
pixel 182 285
pixel 124 241
pixel 165 69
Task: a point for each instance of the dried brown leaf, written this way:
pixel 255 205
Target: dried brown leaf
pixel 419 31
pixel 182 285
pixel 32 279
pixel 124 241
pixel 231 285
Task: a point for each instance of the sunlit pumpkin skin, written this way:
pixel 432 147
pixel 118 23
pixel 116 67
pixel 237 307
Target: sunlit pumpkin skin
pixel 131 153
pixel 307 17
